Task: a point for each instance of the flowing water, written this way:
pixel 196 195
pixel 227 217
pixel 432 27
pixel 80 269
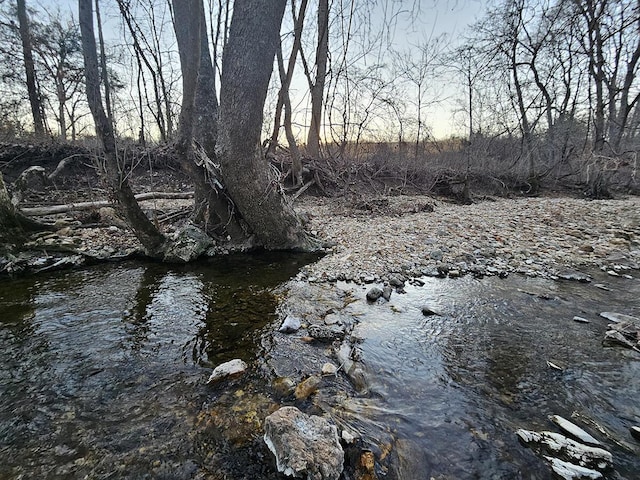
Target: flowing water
pixel 103 371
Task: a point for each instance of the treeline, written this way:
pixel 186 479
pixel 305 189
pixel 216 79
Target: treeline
pixel 545 91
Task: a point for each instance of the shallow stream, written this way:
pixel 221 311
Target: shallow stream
pixel 103 371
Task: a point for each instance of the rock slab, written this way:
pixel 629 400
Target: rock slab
pixel 232 367
pixel 304 444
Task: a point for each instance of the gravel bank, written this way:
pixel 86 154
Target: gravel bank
pixel 534 236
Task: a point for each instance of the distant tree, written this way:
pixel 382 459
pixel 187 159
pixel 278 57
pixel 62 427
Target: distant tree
pixel 27 51
pixel 58 48
pixel 317 83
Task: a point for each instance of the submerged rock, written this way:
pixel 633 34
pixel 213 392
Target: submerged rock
pixel 307 387
pixel 232 367
pixel 304 444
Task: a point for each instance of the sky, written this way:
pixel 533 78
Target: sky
pixel 418 21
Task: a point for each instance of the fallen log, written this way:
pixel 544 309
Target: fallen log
pixel 74 207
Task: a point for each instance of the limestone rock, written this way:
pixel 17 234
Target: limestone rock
pixel 324 333
pixel 583 455
pixel 304 444
pixel 290 324
pixel 187 245
pixel 232 367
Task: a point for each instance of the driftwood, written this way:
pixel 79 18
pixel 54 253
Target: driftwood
pixel 69 207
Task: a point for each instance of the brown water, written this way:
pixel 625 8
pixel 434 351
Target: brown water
pixel 103 371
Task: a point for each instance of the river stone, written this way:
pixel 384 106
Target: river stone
pixel 232 367
pixel 307 387
pixel 329 369
pixel 304 444
pixel 396 281
pixel 619 317
pixel 326 333
pixel 187 245
pixel 575 276
pixel 374 294
pixel 428 310
pixel 569 471
pixel 290 324
pixel 386 292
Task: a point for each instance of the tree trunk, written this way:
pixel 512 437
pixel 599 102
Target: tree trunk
pixel 317 91
pixel 13 224
pixel 296 162
pixel 27 51
pixel 212 211
pixel 246 69
pixel 151 239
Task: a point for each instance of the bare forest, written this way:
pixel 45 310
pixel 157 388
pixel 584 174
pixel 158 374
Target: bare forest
pixel 107 101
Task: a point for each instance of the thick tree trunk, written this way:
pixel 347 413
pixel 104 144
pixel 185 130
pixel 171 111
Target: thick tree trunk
pixel 246 69
pixel 151 239
pixel 212 211
pixel 317 91
pixel 27 51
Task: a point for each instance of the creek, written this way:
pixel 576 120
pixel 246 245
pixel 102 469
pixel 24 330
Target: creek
pixel 103 372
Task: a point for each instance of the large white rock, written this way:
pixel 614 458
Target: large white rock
pixel 304 444
pixel 584 455
pixel 569 471
pixel 232 367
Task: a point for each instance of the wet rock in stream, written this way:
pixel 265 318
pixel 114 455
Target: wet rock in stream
pixel 304 445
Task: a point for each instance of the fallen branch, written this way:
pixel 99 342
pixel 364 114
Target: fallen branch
pixel 69 207
pixel 295 196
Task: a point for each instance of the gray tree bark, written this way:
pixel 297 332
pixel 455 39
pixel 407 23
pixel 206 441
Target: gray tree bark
pixel 246 69
pixel 198 117
pixel 151 239
pixel 27 51
pixel 317 90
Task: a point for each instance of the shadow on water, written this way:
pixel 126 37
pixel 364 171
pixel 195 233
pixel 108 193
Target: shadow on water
pixel 103 370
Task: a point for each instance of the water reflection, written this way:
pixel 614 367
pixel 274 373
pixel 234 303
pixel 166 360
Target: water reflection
pixel 102 369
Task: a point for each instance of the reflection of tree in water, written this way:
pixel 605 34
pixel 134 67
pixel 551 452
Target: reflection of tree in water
pixel 234 316
pixel 17 307
pixel 136 318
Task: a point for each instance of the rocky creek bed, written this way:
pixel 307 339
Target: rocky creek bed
pixel 384 245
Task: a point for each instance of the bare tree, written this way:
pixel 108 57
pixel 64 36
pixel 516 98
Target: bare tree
pixel 317 85
pixel 34 97
pixel 284 99
pixel 246 69
pixel 58 50
pixel 151 239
